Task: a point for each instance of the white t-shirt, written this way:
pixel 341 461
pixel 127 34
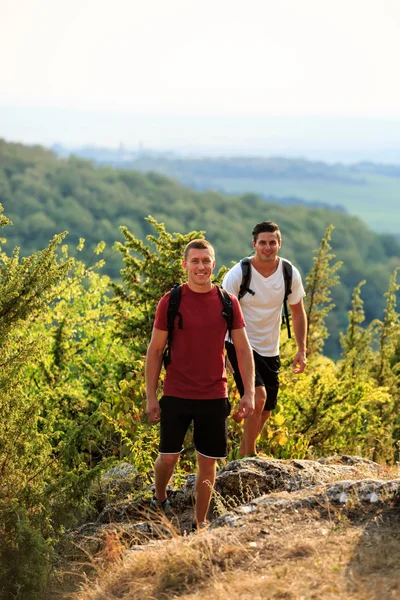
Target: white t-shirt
pixel 263 311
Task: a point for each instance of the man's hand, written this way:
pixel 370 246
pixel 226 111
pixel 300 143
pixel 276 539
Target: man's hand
pixel 299 363
pixel 153 410
pixel 299 319
pixel 246 408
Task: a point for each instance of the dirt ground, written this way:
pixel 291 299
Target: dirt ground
pixel 350 553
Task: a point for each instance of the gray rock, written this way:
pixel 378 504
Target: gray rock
pixel 242 487
pixel 366 491
pixel 257 476
pixel 351 460
pixel 120 481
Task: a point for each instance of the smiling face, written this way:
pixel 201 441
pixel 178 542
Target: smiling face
pixel 266 247
pixel 199 265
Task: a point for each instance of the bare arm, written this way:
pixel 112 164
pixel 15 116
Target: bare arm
pixel 153 367
pixel 299 321
pixel 244 355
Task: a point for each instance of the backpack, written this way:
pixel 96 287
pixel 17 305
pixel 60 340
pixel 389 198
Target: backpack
pixel 287 276
pixel 173 312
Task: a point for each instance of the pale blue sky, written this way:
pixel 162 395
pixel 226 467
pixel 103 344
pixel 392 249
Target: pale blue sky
pixel 247 58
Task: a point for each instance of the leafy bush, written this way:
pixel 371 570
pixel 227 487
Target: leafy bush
pixel 72 389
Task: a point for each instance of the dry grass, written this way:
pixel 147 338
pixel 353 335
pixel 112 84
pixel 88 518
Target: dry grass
pixel 287 554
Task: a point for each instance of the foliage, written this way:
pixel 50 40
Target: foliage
pixel 24 555
pixel 385 367
pixel 72 389
pixel 320 280
pixel 42 193
pixel 28 285
pixel 336 414
pixel 388 332
pixel 148 275
pixel 357 342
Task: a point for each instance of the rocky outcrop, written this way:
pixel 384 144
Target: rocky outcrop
pixel 343 493
pixel 264 475
pixel 237 483
pixel 242 486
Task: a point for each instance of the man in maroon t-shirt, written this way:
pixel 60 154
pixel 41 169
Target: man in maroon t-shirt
pixel 195 385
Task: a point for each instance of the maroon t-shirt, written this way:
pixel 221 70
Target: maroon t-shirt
pixel 197 367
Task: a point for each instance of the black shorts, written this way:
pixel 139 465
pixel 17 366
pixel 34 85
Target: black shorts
pixel 266 371
pixel 209 425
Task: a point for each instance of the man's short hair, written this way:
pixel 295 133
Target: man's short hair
pixel 198 245
pixel 269 226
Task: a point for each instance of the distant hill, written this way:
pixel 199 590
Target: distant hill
pixel 43 195
pixel 368 190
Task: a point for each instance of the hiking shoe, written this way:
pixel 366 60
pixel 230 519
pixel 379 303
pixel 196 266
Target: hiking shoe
pixel 197 526
pixel 157 506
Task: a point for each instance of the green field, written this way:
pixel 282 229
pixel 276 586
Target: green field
pixel 377 202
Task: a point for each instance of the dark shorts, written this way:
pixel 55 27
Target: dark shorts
pixel 267 374
pixel 209 425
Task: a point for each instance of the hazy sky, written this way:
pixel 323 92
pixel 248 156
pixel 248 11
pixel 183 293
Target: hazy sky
pixel 246 57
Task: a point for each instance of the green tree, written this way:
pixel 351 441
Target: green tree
pixel 149 272
pixel 357 342
pixel 388 332
pixel 27 287
pixel 384 368
pixel 320 280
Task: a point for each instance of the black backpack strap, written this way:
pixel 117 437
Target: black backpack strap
pixel 227 309
pixel 245 263
pixel 172 313
pixel 287 277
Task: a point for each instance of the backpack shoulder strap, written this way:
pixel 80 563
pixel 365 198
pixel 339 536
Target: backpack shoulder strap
pixel 227 309
pixel 287 269
pixel 172 313
pixel 173 307
pixel 245 264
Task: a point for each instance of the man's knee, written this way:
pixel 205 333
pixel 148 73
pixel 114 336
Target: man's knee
pixel 206 464
pixel 260 399
pixel 168 460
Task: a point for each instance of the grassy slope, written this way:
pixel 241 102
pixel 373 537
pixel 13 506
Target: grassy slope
pixel 369 191
pixel 376 202
pixel 293 554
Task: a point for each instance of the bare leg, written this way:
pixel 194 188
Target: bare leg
pixel 205 480
pixel 265 415
pixel 252 425
pixel 163 469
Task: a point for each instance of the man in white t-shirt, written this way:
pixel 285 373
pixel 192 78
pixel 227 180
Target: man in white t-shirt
pixel 262 310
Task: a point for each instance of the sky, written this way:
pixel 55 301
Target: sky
pixel 197 61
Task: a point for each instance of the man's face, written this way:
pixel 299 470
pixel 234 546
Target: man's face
pixel 266 247
pixel 199 266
